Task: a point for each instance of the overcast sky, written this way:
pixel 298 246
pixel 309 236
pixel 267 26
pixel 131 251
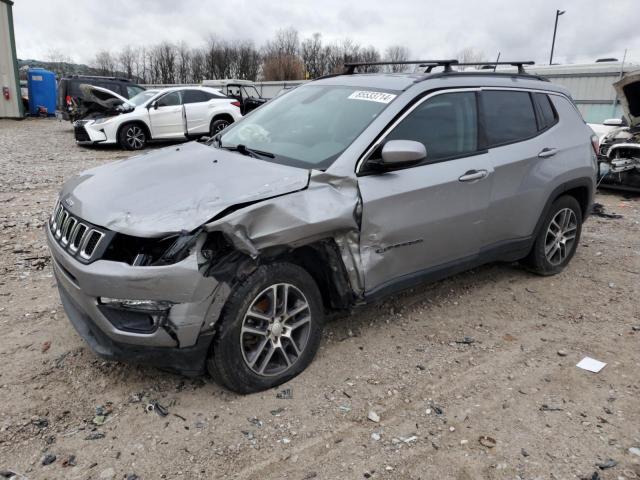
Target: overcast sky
pixel 519 29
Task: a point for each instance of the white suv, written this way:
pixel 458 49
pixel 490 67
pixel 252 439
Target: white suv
pixel 169 114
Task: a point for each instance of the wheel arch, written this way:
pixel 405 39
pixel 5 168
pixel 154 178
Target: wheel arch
pixel 582 189
pixel 222 116
pixel 142 123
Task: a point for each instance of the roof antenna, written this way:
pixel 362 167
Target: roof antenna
pixel 497 60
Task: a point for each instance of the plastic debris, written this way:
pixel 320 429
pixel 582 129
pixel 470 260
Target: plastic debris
pixel 591 364
pixel 373 416
pixel 285 394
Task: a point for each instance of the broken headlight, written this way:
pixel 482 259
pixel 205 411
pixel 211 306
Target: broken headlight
pixel 142 252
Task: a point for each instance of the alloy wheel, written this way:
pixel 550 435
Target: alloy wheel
pixel 561 236
pixel 220 126
pixel 135 137
pixel 275 329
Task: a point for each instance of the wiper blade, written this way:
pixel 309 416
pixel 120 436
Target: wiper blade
pixel 244 150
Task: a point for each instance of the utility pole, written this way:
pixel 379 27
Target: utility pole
pixel 555 28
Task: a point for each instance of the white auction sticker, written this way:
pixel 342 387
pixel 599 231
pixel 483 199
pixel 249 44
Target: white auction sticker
pixel 380 97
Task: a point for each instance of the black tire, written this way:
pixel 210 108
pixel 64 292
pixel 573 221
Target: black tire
pixel 229 362
pixel 132 136
pixel 546 244
pixel 218 125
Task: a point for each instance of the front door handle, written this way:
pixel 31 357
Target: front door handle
pixel 547 152
pixel 472 175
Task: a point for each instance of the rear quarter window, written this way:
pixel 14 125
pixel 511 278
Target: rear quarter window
pixel 508 116
pixel 546 113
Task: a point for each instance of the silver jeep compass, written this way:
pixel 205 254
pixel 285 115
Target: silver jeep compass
pixel 227 255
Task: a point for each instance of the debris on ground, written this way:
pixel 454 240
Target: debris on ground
pixel 486 441
pixel 591 364
pixel 285 394
pixel 466 340
pixel 48 459
pixel 550 408
pixel 69 461
pixel 373 416
pixel 608 464
pixel 45 346
pixel 562 353
pixel 156 407
pixel 599 211
pixel 634 451
pixel 95 436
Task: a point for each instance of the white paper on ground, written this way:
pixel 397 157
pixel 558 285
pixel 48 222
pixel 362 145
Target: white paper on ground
pixel 591 364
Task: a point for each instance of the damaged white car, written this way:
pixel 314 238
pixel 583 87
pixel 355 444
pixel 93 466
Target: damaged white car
pixel 169 114
pixel 227 256
pixel 619 157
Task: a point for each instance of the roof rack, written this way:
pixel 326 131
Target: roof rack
pixel 349 68
pixel 520 65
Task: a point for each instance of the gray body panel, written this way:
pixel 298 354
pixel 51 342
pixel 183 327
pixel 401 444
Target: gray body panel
pixel 386 226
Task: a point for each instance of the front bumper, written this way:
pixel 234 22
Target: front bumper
pixel 180 342
pixel 87 134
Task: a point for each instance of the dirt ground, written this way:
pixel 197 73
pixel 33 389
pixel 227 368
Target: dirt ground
pixel 491 352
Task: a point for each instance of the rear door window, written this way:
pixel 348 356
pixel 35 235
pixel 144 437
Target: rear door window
pixel 547 114
pixel 508 116
pixel 194 96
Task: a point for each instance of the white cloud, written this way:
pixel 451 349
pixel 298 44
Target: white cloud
pixel 518 29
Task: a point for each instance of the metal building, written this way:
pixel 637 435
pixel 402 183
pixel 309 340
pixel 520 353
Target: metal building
pixel 10 98
pixel 591 86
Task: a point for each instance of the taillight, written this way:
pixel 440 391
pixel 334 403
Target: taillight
pixel 595 143
pixel 68 100
pixel 236 104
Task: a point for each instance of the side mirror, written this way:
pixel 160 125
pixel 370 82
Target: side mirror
pixel 402 153
pixel 613 122
pixel 153 105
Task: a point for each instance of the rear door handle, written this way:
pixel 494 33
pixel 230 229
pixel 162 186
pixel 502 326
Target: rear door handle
pixel 547 152
pixel 472 175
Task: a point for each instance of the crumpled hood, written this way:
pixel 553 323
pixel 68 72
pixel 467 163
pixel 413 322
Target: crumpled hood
pixel 174 188
pixel 628 90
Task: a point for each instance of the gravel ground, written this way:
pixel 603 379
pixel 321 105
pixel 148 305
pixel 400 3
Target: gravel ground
pixel 488 353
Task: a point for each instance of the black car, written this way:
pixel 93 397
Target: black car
pixel 71 103
pixel 246 93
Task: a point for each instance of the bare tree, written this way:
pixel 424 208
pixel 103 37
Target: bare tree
pixel 105 62
pixel 126 60
pixel 396 53
pixel 281 57
pixel 471 55
pixel 313 56
pixel 247 61
pixel 183 67
pixel 198 65
pixel 59 61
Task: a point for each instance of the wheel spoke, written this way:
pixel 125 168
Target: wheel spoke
pixel 267 358
pixel 259 316
pixel 259 351
pixel 274 301
pixel 297 310
pixel 299 323
pixel 294 345
pixel 552 252
pixel 284 354
pixel 254 331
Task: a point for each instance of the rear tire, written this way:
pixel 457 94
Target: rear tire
pixel 258 346
pixel 558 238
pixel 132 136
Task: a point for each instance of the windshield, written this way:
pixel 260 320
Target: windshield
pixel 310 126
pixel 142 97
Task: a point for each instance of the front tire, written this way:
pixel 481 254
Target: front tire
pixel 217 126
pixel 558 238
pixel 269 330
pixel 132 136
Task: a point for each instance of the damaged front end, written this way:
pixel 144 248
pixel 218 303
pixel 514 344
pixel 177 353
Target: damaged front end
pixel 98 102
pixel 619 151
